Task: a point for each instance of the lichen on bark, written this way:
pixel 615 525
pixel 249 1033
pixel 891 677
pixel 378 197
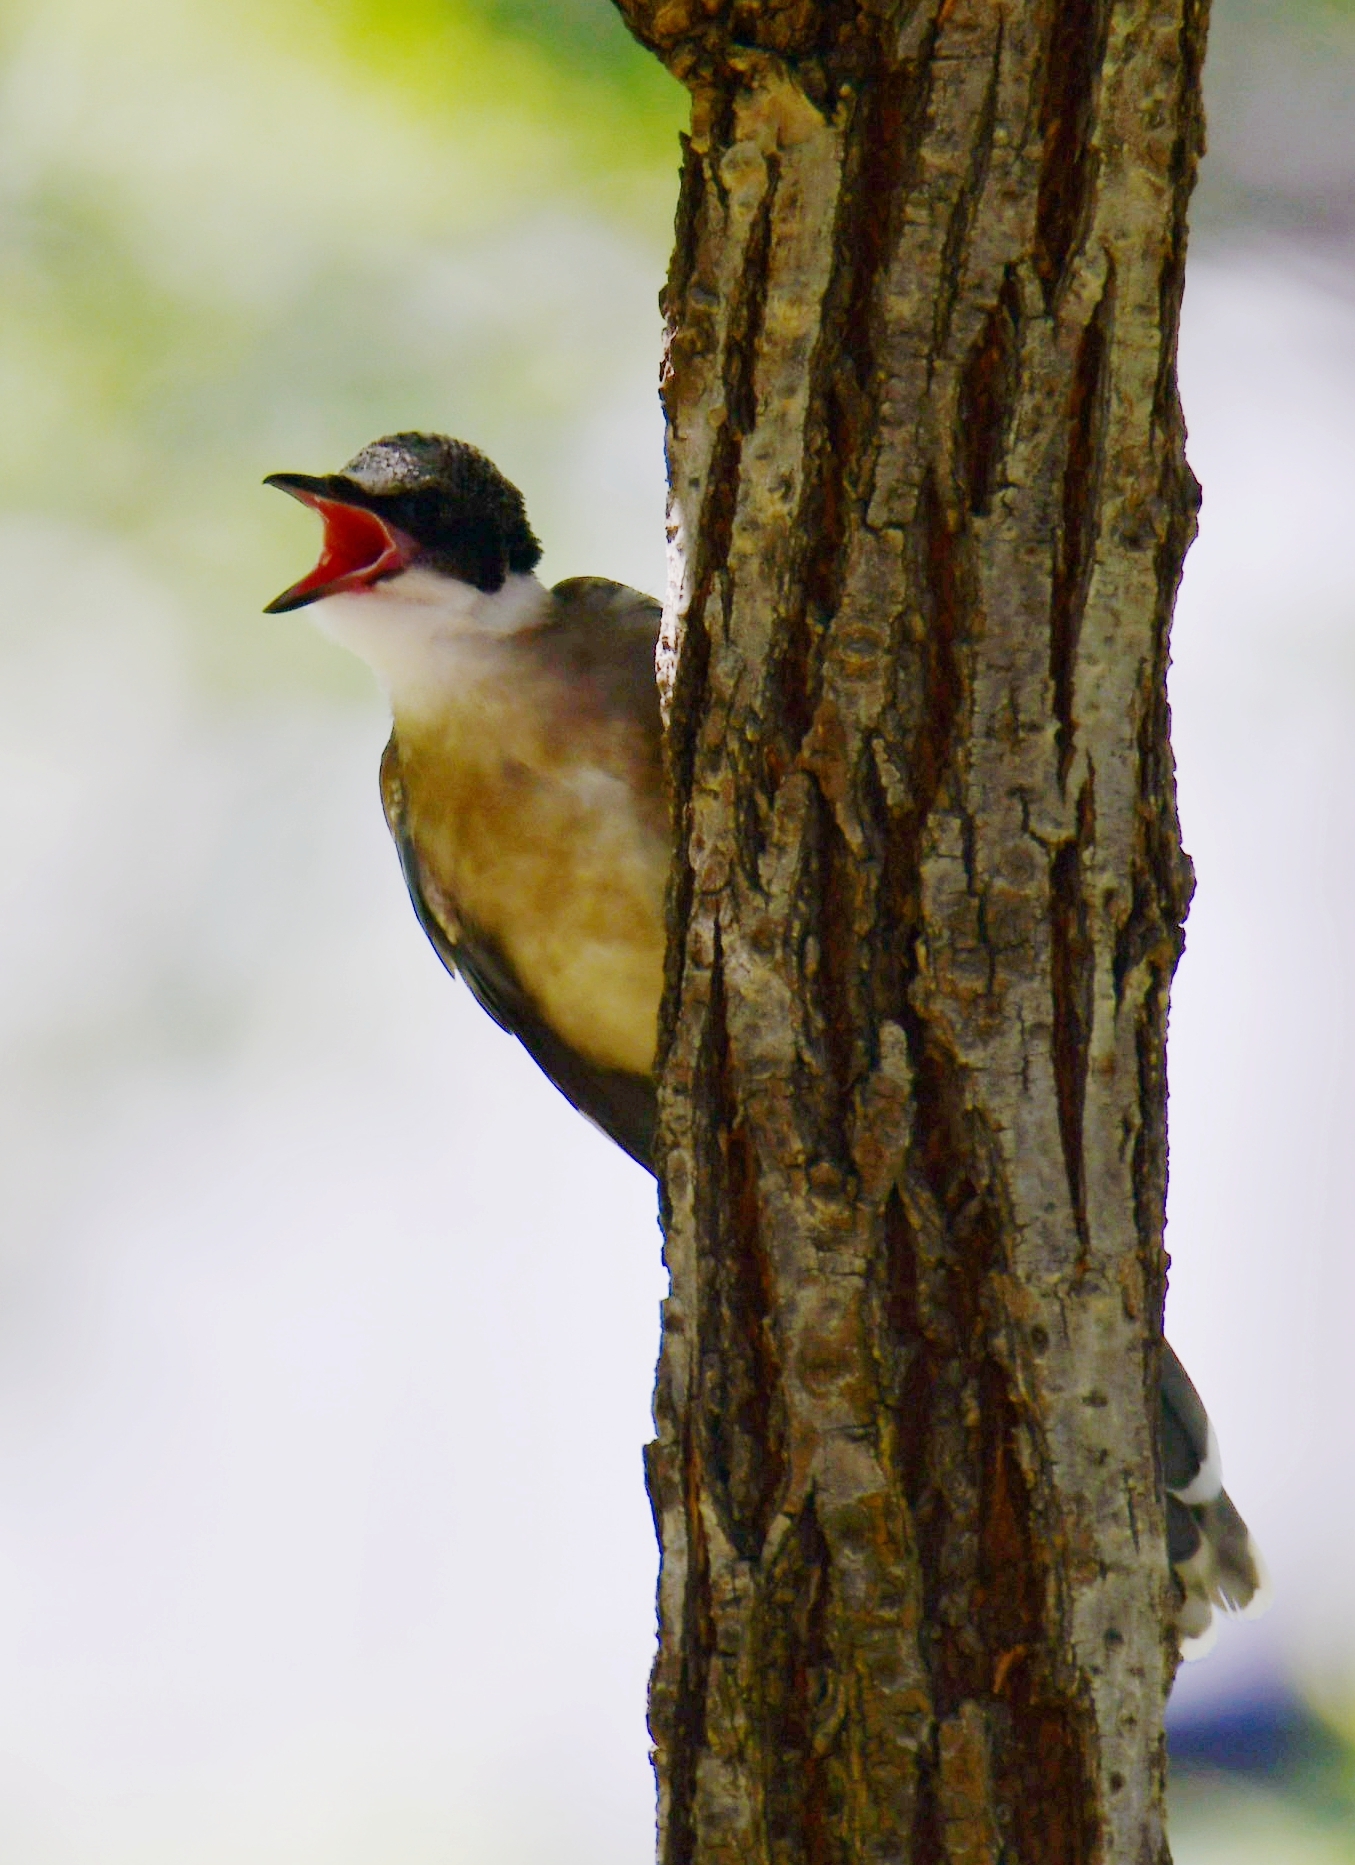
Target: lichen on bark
pixel 928 508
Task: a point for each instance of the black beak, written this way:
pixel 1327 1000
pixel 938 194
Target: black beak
pixel 308 486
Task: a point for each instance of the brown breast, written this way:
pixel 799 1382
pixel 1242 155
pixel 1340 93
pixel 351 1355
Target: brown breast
pixel 534 803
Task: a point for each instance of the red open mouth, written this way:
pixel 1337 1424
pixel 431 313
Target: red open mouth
pixel 358 549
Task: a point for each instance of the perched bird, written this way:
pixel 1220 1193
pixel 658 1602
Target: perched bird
pixel 523 785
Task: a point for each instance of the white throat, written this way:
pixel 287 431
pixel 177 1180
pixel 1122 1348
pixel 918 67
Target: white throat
pixel 413 629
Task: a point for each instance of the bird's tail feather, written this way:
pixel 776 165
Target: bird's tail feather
pixel 1217 1564
pixel 1212 1554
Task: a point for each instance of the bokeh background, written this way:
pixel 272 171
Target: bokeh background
pixel 326 1331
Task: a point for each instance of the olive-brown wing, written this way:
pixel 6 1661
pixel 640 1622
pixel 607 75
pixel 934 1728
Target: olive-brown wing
pixel 622 1104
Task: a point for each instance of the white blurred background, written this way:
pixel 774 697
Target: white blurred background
pixel 326 1330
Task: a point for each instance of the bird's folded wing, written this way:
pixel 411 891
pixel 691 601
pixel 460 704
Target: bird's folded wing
pixel 622 1104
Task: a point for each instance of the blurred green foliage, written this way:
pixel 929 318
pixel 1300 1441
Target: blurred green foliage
pixel 586 34
pixel 241 234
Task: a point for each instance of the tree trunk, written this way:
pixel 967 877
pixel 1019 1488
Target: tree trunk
pixel 929 504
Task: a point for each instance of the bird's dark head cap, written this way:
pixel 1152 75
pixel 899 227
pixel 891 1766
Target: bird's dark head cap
pixel 439 503
pixel 454 502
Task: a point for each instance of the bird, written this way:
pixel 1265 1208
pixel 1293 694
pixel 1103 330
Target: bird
pixel 524 789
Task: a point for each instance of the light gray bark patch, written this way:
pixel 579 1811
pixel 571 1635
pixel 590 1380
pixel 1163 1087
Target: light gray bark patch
pixel 988 390
pixel 1074 54
pixel 1073 981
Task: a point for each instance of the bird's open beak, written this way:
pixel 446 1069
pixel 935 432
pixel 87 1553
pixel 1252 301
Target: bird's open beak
pixel 358 549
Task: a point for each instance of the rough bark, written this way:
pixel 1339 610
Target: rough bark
pixel 929 504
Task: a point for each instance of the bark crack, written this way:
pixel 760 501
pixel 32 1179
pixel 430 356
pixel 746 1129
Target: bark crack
pixel 989 386
pixel 962 1439
pixel 1070 163
pixel 686 1727
pixel 795 1663
pixel 748 311
pixel 739 1372
pixel 1073 979
pixel 955 249
pixel 843 413
pixel 1075 549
